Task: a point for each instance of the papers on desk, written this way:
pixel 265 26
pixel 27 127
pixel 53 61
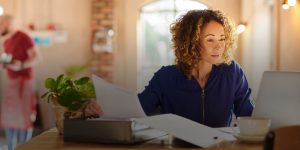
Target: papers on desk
pixel 117 102
pixel 187 130
pixel 120 103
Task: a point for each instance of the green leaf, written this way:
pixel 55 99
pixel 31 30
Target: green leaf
pixel 82 81
pixel 70 99
pixel 50 84
pixel 76 105
pixel 67 84
pixel 87 90
pixel 59 80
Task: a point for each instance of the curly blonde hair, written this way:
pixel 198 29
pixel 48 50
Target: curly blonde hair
pixel 186 37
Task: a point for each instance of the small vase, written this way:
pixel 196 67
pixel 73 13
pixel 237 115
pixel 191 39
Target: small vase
pixel 59 114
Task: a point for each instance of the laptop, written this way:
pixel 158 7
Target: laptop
pixel 279 98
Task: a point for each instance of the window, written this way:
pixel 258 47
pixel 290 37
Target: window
pixel 155 49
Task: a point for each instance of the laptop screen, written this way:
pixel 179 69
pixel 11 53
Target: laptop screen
pixel 279 98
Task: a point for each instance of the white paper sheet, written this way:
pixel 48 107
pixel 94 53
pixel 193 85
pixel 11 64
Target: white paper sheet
pixel 187 130
pixel 117 102
pixel 230 130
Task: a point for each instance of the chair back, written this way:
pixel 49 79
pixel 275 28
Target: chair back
pixel 284 138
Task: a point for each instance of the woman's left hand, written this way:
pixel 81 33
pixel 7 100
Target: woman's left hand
pixel 92 109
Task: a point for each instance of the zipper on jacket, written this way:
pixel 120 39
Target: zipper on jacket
pixel 203 97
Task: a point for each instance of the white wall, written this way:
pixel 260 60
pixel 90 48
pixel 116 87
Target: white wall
pixel 257 40
pixel 271 41
pixel 289 45
pixel 74 17
pixel 230 7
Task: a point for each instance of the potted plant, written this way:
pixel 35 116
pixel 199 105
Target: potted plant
pixel 68 97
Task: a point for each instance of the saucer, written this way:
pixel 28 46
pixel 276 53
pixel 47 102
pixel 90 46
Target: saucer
pixel 252 139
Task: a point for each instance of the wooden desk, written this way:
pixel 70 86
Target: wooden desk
pixel 50 140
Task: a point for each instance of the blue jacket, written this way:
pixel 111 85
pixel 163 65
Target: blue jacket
pixel 226 91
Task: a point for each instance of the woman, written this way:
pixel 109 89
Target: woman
pixel 205 85
pixel 18 102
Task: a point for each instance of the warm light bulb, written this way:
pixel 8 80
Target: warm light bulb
pixel 1 10
pixel 285 6
pixel 291 2
pixel 241 28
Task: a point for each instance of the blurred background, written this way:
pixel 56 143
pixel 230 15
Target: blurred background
pixel 126 41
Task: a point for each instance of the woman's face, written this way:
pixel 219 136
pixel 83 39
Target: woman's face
pixel 212 42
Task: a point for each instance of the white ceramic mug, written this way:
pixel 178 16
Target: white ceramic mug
pixel 253 126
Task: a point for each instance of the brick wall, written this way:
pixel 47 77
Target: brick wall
pixel 101 23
